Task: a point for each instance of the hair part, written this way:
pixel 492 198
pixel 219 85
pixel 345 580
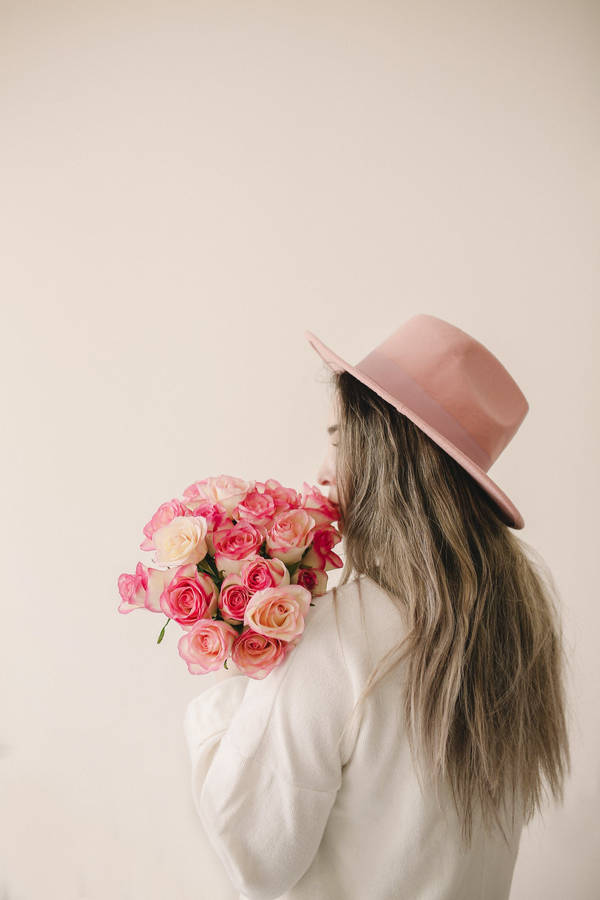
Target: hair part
pixel 484 700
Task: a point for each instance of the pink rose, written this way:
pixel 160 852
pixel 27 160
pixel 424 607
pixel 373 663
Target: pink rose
pixel 189 596
pixel 143 590
pixel 206 646
pixel 278 611
pixel 257 507
pixel 233 598
pixel 233 546
pixel 132 589
pixel 321 555
pixel 256 654
pixel 226 490
pixel 284 498
pixel 313 580
pixel 290 535
pixel 158 579
pixel 321 508
pixel 259 573
pixel 165 513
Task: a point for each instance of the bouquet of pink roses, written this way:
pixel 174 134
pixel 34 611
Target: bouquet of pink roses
pixel 236 564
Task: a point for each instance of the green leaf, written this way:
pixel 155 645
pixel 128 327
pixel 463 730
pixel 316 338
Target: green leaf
pixel 293 567
pixel 226 666
pixel 262 550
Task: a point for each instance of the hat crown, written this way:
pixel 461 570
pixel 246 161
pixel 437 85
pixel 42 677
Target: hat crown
pixel 453 382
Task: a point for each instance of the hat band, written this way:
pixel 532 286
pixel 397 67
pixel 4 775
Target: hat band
pixel 393 379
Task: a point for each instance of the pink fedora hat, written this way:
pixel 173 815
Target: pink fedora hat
pixel 452 387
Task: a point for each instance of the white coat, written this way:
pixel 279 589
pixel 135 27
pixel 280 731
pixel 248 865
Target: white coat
pixel 291 815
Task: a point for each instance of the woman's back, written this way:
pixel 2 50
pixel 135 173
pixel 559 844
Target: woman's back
pixel 294 812
pixel 386 837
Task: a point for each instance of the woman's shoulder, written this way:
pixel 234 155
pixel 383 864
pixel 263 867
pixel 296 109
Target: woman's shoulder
pixel 361 593
pixel 344 634
pixel 361 619
pixel 362 600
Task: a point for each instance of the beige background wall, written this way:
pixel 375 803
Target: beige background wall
pixel 185 188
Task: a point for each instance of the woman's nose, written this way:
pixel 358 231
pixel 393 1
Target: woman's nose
pixel 325 475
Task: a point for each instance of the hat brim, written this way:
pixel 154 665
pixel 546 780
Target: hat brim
pixel 507 510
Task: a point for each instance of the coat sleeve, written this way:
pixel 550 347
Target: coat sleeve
pixel 266 767
pixel 206 720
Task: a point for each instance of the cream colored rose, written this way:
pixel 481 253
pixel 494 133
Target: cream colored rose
pixel 227 490
pixel 278 612
pixel 290 535
pixel 181 541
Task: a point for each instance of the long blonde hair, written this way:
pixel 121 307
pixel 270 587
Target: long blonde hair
pixel 485 699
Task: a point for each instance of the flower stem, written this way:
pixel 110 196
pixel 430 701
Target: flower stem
pixel 162 632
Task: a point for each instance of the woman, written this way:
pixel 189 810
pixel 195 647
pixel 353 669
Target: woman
pixel 402 745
